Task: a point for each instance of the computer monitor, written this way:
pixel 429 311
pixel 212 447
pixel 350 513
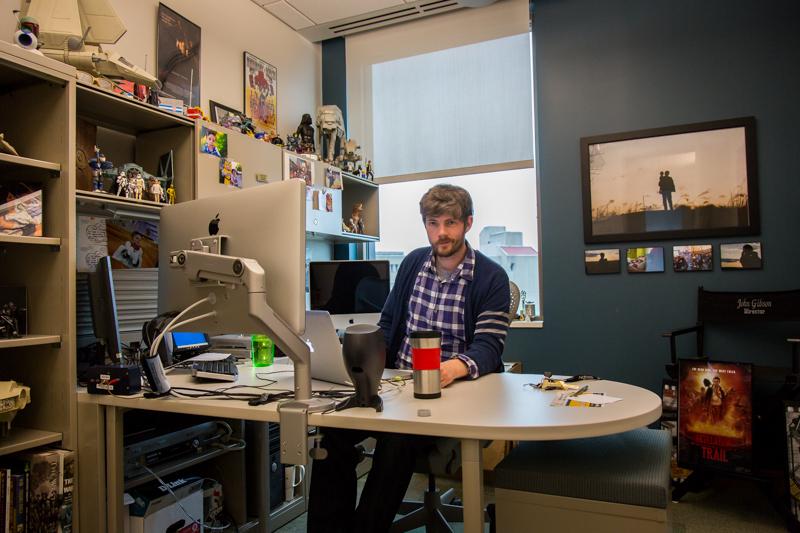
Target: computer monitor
pixel 353 292
pixel 264 223
pixel 104 309
pixel 183 344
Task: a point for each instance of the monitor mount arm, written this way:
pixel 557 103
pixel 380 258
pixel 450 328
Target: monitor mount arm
pixel 205 265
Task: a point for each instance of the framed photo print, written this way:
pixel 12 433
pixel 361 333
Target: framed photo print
pixel 601 261
pixel 715 415
pixel 222 114
pixel 642 260
pixel 261 93
pixel 740 256
pixel 693 180
pixel 178 56
pixel 693 258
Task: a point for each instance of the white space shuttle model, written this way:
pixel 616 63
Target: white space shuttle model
pixel 72 31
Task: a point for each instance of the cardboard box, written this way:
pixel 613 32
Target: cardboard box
pixel 156 510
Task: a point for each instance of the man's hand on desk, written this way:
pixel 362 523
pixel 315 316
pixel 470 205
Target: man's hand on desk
pixel 452 370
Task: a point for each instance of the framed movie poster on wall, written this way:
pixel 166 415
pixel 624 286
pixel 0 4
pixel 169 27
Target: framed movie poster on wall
pixel 692 180
pixel 261 93
pixel 715 415
pixel 178 56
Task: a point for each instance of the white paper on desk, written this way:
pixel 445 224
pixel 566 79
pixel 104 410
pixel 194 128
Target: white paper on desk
pixel 600 399
pixel 208 356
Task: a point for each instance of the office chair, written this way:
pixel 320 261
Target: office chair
pixel 436 510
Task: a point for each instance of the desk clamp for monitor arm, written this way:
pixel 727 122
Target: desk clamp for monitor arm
pixel 211 268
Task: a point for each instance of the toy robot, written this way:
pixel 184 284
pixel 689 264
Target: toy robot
pixel 171 194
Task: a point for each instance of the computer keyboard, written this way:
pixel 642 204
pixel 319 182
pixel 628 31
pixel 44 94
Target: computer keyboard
pixel 224 370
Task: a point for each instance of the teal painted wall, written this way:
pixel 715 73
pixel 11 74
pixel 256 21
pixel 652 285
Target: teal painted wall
pixel 622 65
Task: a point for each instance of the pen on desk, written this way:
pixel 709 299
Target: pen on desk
pixel 580 391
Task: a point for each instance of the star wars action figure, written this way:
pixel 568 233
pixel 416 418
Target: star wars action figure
pixel 305 131
pixel 171 194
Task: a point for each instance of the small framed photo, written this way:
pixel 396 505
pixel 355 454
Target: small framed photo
pixel 333 178
pixel 602 261
pixel 641 260
pixel 741 256
pixel 222 114
pixel 213 142
pixel 693 258
pixel 295 167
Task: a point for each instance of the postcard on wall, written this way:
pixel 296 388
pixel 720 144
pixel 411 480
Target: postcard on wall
pixel 715 425
pixel 329 202
pixel 132 243
pixel 315 199
pixel 213 142
pixel 333 178
pixel 230 172
pixel 92 243
pixel 741 256
pixel 295 167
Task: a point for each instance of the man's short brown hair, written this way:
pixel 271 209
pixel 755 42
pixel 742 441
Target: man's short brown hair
pixel 446 200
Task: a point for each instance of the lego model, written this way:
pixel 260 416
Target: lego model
pixel 330 126
pixel 73 32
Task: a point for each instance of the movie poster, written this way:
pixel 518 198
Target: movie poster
pixel 261 93
pixel 715 415
pixel 793 457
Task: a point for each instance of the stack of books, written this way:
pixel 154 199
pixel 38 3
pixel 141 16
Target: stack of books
pixel 36 491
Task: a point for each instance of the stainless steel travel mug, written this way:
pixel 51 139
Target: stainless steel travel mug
pixel 426 358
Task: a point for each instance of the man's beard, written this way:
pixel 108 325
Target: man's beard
pixel 452 247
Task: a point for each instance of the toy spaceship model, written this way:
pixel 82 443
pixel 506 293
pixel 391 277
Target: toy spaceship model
pixel 73 32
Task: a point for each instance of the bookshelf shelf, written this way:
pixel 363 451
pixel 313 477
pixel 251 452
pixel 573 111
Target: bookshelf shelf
pixel 21 439
pixel 30 340
pixel 17 167
pixel 42 241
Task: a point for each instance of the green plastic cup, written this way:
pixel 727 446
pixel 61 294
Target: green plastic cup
pixel 262 350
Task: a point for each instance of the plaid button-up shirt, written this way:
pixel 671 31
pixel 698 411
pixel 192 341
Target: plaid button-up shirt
pixel 439 305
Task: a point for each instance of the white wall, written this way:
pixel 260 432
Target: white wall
pixel 458 28
pixel 227 30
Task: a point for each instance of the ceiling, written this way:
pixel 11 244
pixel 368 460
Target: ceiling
pixel 318 20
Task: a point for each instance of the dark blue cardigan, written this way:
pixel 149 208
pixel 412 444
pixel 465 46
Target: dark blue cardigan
pixel 485 315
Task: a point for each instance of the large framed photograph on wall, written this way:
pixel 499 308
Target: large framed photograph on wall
pixel 692 180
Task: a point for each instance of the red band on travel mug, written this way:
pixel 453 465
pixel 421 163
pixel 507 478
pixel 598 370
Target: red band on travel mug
pixel 426 358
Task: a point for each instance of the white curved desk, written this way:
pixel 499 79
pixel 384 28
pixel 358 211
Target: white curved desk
pixel 498 406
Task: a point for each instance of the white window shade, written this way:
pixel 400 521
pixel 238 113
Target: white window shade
pixel 439 113
pixel 470 112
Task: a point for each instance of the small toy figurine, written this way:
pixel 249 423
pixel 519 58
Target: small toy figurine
pixel 98 164
pixel 276 140
pixel 9 323
pixel 130 188
pixel 5 147
pixel 360 172
pixel 293 143
pixel 122 184
pixel 305 132
pixel 356 223
pixel 139 190
pixel 156 190
pixel 171 194
pixel 370 174
pixel 246 126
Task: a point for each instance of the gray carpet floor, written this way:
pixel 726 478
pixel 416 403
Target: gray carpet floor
pixel 727 505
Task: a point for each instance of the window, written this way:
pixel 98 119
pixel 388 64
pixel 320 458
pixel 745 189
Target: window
pixel 504 227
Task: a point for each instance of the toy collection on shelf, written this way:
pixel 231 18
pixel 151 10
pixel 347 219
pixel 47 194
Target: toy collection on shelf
pixel 129 181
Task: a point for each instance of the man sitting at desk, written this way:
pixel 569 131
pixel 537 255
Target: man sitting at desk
pixel 448 287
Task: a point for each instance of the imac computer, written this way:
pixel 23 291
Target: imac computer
pixel 353 292
pixel 238 260
pixel 104 311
